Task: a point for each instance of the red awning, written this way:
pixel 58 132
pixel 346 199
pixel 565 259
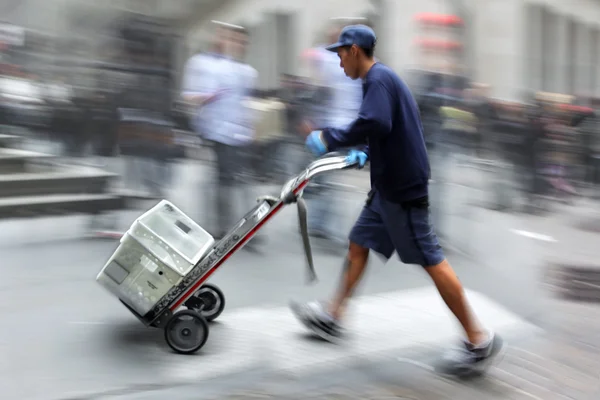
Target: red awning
pixel 439 44
pixel 438 19
pixel 311 55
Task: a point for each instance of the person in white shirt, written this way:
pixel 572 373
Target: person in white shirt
pixel 218 83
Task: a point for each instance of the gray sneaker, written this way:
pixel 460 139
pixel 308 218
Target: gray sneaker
pixel 468 361
pixel 313 316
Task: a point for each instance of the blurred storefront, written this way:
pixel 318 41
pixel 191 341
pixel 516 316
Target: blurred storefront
pixel 515 46
pixel 280 30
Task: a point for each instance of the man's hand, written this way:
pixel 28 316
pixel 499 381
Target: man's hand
pixel 315 143
pixel 357 157
pixel 197 99
pixel 215 96
pixel 203 99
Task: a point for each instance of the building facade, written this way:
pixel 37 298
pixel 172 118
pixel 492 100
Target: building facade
pixel 515 46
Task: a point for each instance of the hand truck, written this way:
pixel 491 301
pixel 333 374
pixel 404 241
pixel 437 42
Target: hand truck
pixel 188 302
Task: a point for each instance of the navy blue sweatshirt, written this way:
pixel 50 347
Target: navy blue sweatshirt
pixel 389 124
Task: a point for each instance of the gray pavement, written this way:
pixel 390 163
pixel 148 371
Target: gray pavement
pixel 83 344
pixel 529 370
pixel 69 339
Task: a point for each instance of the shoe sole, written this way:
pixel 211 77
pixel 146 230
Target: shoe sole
pixel 308 325
pixel 322 335
pixel 493 361
pixel 480 370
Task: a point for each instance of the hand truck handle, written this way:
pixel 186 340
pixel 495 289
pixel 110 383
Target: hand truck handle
pixel 292 192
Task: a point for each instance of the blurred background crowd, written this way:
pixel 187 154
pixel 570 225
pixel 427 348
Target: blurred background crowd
pixel 146 84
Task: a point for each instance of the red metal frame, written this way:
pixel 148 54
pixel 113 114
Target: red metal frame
pixel 235 248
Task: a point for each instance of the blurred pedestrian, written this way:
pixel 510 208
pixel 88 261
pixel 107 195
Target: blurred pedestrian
pixel 218 83
pixel 294 96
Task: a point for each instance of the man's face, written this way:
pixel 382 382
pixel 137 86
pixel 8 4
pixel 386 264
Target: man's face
pixel 239 44
pixel 222 40
pixel 349 61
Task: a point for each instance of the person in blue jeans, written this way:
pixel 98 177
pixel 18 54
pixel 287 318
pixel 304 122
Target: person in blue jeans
pixel 388 133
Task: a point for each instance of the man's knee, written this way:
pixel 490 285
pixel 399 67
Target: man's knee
pixel 357 252
pixel 442 270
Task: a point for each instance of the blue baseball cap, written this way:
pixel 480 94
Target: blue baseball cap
pixel 360 35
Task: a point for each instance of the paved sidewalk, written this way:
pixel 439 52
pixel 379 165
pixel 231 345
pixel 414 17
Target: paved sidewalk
pixel 562 363
pixel 252 349
pixel 542 368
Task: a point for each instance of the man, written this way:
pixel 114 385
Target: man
pixel 217 84
pixel 396 216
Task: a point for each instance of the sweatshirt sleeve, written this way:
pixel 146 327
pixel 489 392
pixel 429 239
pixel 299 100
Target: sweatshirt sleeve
pixel 374 118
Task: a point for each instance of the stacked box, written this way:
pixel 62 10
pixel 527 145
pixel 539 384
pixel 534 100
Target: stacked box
pixel 159 249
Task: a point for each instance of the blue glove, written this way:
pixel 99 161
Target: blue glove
pixel 315 144
pixel 357 156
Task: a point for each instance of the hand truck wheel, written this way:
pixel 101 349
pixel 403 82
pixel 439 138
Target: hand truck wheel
pixel 208 301
pixel 186 332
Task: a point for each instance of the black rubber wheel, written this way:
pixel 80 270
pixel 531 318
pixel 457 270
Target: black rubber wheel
pixel 186 332
pixel 208 301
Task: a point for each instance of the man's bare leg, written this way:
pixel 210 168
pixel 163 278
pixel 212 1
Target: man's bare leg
pixel 443 276
pixel 324 320
pixel 356 262
pixel 452 293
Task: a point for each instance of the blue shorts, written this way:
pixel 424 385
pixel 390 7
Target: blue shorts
pixel 384 226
